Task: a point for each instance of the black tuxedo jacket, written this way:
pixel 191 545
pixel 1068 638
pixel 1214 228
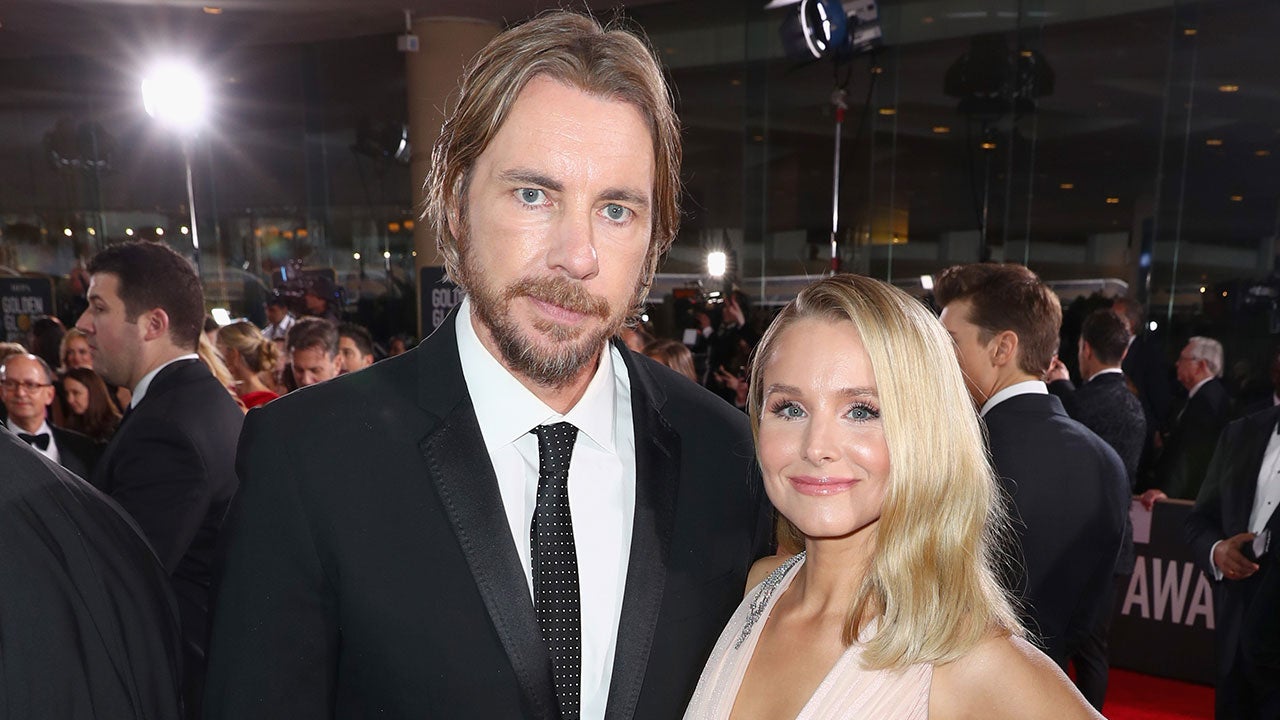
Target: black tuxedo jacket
pixel 370 570
pixel 1247 611
pixel 77 453
pixel 171 464
pixel 1070 497
pixel 1189 446
pixel 88 627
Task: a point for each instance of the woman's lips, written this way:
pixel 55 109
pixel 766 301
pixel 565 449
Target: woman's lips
pixel 809 485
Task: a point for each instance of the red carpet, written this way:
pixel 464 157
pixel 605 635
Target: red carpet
pixel 1134 696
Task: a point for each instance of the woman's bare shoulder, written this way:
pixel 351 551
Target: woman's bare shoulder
pixel 1005 677
pixel 761 569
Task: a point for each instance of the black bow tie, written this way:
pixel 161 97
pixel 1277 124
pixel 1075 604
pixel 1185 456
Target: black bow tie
pixel 40 441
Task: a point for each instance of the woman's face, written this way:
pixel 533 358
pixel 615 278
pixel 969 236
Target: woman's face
pixel 822 447
pixel 77 395
pixel 78 355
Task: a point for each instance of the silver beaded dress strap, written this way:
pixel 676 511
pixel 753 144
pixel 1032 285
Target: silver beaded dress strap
pixel 761 600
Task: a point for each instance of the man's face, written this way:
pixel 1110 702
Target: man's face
pixel 352 358
pixel 114 341
pixel 1190 370
pixel 275 313
pixel 26 392
pixel 980 374
pixel 313 365
pixel 556 229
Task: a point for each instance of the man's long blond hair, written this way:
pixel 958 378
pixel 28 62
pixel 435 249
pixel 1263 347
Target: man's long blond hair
pixel 932 583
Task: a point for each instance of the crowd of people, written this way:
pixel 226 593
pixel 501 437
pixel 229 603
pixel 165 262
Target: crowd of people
pixel 869 509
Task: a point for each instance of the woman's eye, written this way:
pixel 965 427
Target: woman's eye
pixel 863 412
pixel 616 213
pixel 531 196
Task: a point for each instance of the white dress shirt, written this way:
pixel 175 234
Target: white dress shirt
pixel 140 391
pixel 602 480
pixel 279 331
pixel 1265 497
pixel 50 452
pixel 1026 387
pixel 1104 371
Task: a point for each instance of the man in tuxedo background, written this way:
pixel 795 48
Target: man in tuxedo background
pixel 313 351
pixel 171 463
pixel 1105 405
pixel 1189 445
pixel 519 517
pixel 1232 532
pixel 1068 490
pixel 26 387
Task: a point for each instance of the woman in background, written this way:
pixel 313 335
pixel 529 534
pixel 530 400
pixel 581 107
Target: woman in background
pixel 872 455
pixel 674 355
pixel 89 408
pixel 75 350
pixel 250 357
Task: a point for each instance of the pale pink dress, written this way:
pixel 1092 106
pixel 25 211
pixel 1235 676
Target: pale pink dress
pixel 848 691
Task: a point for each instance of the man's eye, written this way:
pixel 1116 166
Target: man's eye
pixel 531 196
pixel 616 212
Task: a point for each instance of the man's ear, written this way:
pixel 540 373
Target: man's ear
pixel 1086 350
pixel 154 324
pixel 1003 348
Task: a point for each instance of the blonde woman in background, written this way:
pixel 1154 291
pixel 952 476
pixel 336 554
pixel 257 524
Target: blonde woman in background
pixel 250 357
pixel 74 351
pixel 674 355
pixel 873 456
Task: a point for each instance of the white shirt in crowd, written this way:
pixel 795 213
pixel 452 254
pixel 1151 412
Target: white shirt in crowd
pixel 1026 387
pixel 140 391
pixel 51 451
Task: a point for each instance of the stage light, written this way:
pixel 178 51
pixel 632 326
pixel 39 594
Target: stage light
pixel 1202 289
pixel 159 231
pixel 176 95
pixel 221 316
pixel 1153 325
pixel 926 282
pixel 717 263
pixel 66 231
pixel 386 254
pixel 184 230
pixel 355 256
pixel 92 231
pixel 128 231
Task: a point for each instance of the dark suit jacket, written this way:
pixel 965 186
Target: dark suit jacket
pixel 1070 497
pixel 1247 611
pixel 1107 407
pixel 88 627
pixel 370 569
pixel 171 464
pixel 77 453
pixel 1189 446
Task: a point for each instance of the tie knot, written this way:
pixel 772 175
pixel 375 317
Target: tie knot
pixel 555 446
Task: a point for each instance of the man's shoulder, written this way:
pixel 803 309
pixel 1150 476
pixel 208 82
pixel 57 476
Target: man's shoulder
pixel 687 403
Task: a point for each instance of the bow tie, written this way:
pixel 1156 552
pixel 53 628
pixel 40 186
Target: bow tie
pixel 40 441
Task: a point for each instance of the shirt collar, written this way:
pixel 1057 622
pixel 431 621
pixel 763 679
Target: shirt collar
pixel 44 429
pixel 506 410
pixel 1104 371
pixel 140 391
pixel 1026 387
pixel 1199 385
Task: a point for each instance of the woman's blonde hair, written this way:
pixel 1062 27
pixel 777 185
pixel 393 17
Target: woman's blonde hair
pixel 257 352
pixel 932 583
pixel 72 334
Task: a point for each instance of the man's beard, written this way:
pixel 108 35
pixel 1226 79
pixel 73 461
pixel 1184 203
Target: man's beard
pixel 571 347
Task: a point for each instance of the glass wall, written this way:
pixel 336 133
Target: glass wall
pixel 1123 146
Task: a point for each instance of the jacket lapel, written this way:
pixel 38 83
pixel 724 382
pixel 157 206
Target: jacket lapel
pixel 460 470
pixel 657 481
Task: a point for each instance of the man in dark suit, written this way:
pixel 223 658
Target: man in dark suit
pixel 171 463
pixel 518 518
pixel 88 623
pixel 1068 489
pixel 27 392
pixel 1232 533
pixel 1105 405
pixel 1189 445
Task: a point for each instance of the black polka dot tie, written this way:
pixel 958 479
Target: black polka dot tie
pixel 555 563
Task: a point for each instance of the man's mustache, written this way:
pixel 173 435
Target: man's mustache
pixel 562 292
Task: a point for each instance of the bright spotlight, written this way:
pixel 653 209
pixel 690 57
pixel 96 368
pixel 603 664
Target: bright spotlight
pixel 926 282
pixel 1153 325
pixel 159 231
pixel 355 256
pixel 66 231
pixel 184 229
pixel 717 263
pixel 386 254
pixel 176 95
pixel 128 231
